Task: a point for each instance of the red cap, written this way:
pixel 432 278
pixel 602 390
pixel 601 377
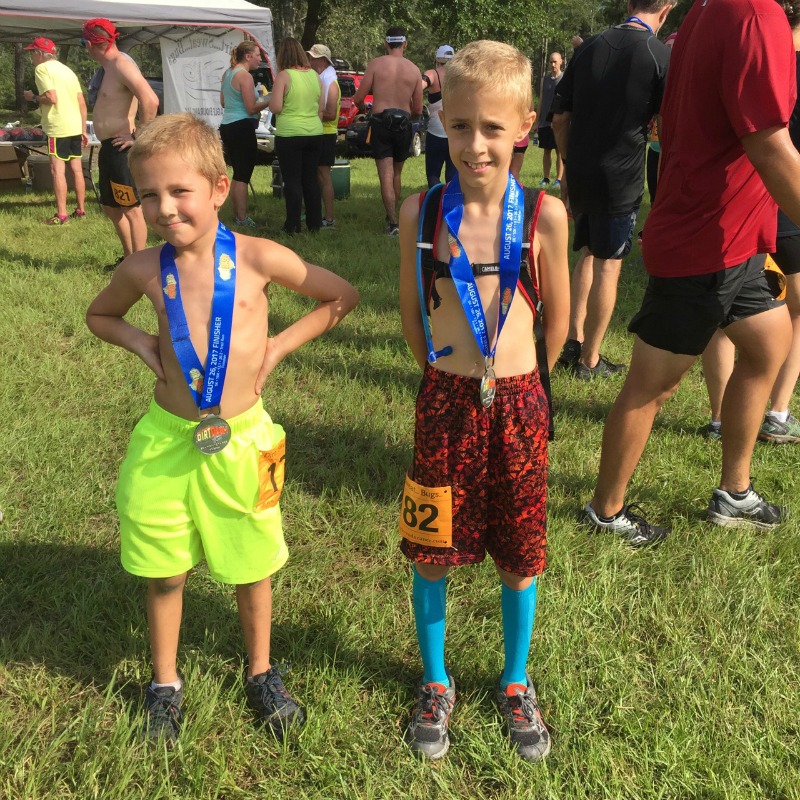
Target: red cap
pixel 40 43
pixel 95 37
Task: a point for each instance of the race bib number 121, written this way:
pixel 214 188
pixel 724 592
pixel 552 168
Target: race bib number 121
pixel 426 515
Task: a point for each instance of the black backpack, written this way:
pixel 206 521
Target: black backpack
pixel 430 225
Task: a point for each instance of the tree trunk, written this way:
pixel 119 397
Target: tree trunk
pixel 313 19
pixel 19 78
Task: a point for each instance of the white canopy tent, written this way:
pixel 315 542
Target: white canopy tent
pixel 195 37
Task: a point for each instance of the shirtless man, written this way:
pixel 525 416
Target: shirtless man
pixel 395 84
pixel 122 91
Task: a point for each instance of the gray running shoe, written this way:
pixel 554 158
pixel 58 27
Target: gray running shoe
pixel 247 222
pixel 523 719
pixel 752 510
pixel 276 708
pixel 629 525
pixel 427 731
pixel 392 229
pixel 602 369
pixel 712 432
pixel 162 708
pixel 779 432
pixel 570 354
pixel 328 223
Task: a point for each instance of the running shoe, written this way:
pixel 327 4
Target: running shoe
pixel 523 718
pixel 713 432
pixel 78 213
pixel 602 369
pixel 328 223
pixel 112 267
pixel 56 220
pixel 570 354
pixel 629 525
pixel 556 184
pixel 745 510
pixel 163 715
pixel 392 229
pixel 276 708
pixel 544 182
pixel 427 731
pixel 778 432
pixel 247 222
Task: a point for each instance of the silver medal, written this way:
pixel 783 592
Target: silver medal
pixel 212 434
pixel 488 387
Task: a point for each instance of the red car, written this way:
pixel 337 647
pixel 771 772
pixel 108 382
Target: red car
pixel 349 83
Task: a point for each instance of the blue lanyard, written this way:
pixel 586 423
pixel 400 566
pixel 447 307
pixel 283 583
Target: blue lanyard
pixel 461 269
pixel 640 21
pixel 206 383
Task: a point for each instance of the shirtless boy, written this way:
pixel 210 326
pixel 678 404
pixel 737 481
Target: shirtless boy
pixel 189 491
pixel 395 85
pixel 480 438
pixel 123 90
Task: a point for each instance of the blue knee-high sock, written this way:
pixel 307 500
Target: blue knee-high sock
pixel 519 612
pixel 429 615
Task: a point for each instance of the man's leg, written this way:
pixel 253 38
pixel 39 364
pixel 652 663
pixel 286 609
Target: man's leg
pixel 397 171
pixel 718 360
pixel 581 285
pixel 599 307
pixel 787 376
pixel 326 186
pixel 763 342
pixel 385 168
pixel 559 167
pixel 653 377
pixel 130 226
pixel 547 162
pixel 76 165
pixel 58 173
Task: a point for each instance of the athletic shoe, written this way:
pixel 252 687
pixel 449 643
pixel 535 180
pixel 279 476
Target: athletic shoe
pixel 526 728
pixel 602 369
pixel 556 184
pixel 632 527
pixel 276 708
pixel 713 432
pixel 779 432
pixel 544 182
pixel 751 510
pixel 247 222
pixel 570 355
pixel 163 712
pixel 56 220
pixel 78 213
pixel 328 223
pixel 427 731
pixel 112 267
pixel 392 229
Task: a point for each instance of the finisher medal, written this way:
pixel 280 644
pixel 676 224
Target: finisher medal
pixel 488 387
pixel 212 434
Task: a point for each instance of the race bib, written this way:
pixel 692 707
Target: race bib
pixel 426 516
pixel 271 467
pixel 124 195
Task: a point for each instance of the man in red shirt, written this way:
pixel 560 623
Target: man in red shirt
pixel 713 216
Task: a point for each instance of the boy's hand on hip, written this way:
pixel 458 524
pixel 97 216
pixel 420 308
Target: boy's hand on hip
pixel 271 358
pixel 150 352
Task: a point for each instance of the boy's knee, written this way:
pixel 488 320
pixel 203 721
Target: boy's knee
pixel 517 583
pixel 431 572
pixel 167 585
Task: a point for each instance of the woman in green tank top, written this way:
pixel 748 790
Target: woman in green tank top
pixel 298 103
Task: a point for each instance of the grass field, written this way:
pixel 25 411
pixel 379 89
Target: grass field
pixel 673 673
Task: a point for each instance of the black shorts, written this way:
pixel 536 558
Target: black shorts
pixel 787 254
pixel 64 148
pixel 607 236
pixel 116 182
pixel 391 134
pixel 547 139
pixel 240 146
pixel 680 315
pixel 327 155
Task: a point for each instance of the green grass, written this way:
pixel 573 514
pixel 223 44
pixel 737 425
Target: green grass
pixel 666 674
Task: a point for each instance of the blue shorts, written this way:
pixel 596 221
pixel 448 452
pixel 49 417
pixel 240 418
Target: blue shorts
pixel 607 236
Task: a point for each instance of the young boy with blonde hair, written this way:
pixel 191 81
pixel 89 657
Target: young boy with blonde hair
pixel 204 469
pixel 479 473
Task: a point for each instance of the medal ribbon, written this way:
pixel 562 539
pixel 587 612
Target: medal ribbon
pixel 461 269
pixel 205 384
pixel 639 21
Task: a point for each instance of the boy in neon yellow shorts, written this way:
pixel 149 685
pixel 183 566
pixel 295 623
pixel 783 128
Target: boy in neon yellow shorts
pixel 204 470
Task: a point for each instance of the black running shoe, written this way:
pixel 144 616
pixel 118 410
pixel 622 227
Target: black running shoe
pixel 570 354
pixel 750 510
pixel 427 731
pixel 163 715
pixel 526 728
pixel 602 369
pixel 276 708
pixel 629 525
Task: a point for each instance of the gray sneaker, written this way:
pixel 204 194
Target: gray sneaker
pixel 524 722
pixel 268 697
pixel 602 369
pixel 751 510
pixel 779 432
pixel 629 525
pixel 163 715
pixel 427 731
pixel 570 354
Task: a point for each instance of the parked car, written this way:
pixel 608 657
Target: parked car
pixel 349 83
pixel 356 136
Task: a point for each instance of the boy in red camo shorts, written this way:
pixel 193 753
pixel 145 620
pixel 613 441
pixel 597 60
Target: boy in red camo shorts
pixel 479 473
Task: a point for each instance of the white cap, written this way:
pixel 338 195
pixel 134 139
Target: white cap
pixel 445 51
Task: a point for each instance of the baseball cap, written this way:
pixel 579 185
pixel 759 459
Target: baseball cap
pixel 445 51
pixel 320 51
pixel 95 37
pixel 40 43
